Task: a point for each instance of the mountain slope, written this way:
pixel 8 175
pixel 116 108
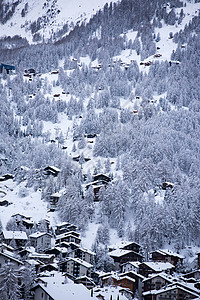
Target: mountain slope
pixel 26 18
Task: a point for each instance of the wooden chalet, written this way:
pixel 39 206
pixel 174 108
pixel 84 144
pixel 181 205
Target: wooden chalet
pixel 122 281
pixel 126 245
pixel 42 257
pixel 169 293
pixel 51 170
pixel 64 227
pixel 23 220
pixel 121 256
pixel 167 256
pixel 156 281
pixel 68 237
pixel 101 178
pixel 40 240
pixel 130 266
pixel 8 257
pixel 147 268
pixel 19 237
pixel 138 280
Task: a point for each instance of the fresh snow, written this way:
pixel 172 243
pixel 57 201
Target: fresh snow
pixel 71 12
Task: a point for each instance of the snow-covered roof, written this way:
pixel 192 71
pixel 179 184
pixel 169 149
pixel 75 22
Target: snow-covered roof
pixel 58 194
pixel 53 168
pixel 81 262
pixel 132 263
pixel 122 244
pixel 86 251
pixel 60 288
pixel 17 235
pixel 159 266
pixel 40 255
pixel 39 234
pixel 109 291
pixel 134 273
pixel 65 234
pixel 7 254
pixel 162 275
pixel 169 253
pixel 119 252
pixel 118 277
pixel 169 288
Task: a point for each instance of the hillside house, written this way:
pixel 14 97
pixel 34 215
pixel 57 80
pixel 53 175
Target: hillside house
pixel 169 293
pixel 7 257
pixel 122 281
pixel 101 178
pixel 51 170
pixel 130 266
pixel 68 237
pixel 139 285
pixel 83 254
pixel 64 227
pixel 42 257
pixel 156 282
pixel 121 256
pixel 147 268
pixel 55 286
pixel 167 256
pixel 54 198
pixel 126 245
pixel 40 240
pixel 75 267
pixel 19 237
pixel 23 220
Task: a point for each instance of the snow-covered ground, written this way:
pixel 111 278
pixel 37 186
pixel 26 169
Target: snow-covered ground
pixel 60 12
pixel 24 201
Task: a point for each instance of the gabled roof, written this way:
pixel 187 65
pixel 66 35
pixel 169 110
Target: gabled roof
pixel 159 266
pixel 169 288
pixel 17 235
pixel 79 261
pixel 58 289
pixel 123 244
pixel 133 273
pixel 5 254
pixel 168 253
pixel 52 168
pixel 162 275
pixel 122 252
pixel 39 234
pixel 119 252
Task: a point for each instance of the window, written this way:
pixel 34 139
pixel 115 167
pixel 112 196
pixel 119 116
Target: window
pixel 42 294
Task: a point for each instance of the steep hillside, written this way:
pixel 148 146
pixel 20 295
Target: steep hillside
pixel 117 95
pixel 43 20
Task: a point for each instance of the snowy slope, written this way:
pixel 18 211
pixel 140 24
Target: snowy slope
pixel 54 14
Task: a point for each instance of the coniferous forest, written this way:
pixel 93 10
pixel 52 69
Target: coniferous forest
pixel 155 142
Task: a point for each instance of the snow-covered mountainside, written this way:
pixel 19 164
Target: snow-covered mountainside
pixel 38 20
pixel 99 122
